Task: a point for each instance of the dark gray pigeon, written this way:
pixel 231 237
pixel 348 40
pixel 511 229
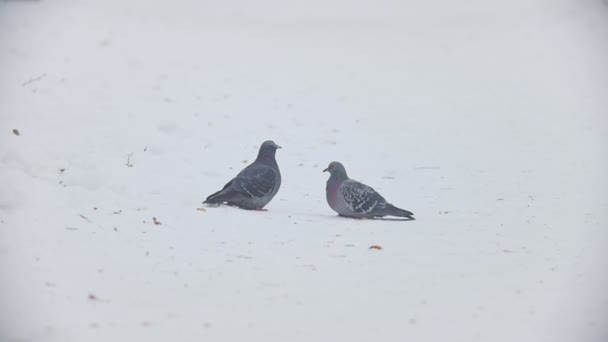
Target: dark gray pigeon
pixel 255 185
pixel 350 198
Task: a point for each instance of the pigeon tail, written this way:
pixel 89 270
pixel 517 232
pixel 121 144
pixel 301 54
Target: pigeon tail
pixel 218 197
pixel 392 210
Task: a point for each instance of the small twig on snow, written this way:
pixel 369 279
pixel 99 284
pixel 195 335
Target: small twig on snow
pixel 32 80
pixel 128 163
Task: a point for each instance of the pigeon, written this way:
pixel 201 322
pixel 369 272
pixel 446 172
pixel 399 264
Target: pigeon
pixel 255 185
pixel 350 198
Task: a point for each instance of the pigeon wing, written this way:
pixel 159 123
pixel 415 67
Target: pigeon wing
pixel 255 181
pixel 361 198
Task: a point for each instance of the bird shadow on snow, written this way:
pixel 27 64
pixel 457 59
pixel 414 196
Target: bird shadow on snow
pixel 396 219
pixel 392 219
pixel 340 217
pixel 224 205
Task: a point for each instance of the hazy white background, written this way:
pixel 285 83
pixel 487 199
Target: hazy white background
pixel 487 119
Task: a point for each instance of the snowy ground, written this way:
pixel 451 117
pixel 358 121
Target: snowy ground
pixel 487 120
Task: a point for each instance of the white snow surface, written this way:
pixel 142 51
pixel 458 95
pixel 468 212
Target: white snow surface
pixel 487 119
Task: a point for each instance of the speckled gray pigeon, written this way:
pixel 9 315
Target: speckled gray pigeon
pixel 350 198
pixel 255 185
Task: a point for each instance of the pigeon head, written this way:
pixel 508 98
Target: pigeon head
pixel 269 144
pixel 336 169
pixel 268 150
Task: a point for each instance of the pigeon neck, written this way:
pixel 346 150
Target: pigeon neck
pixel 266 157
pixel 338 177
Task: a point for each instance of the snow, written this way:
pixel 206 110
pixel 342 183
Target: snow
pixel 486 119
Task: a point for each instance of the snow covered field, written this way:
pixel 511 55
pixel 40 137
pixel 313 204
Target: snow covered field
pixel 487 119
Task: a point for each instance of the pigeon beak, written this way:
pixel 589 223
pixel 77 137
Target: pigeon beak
pixel 277 147
pixel 326 170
